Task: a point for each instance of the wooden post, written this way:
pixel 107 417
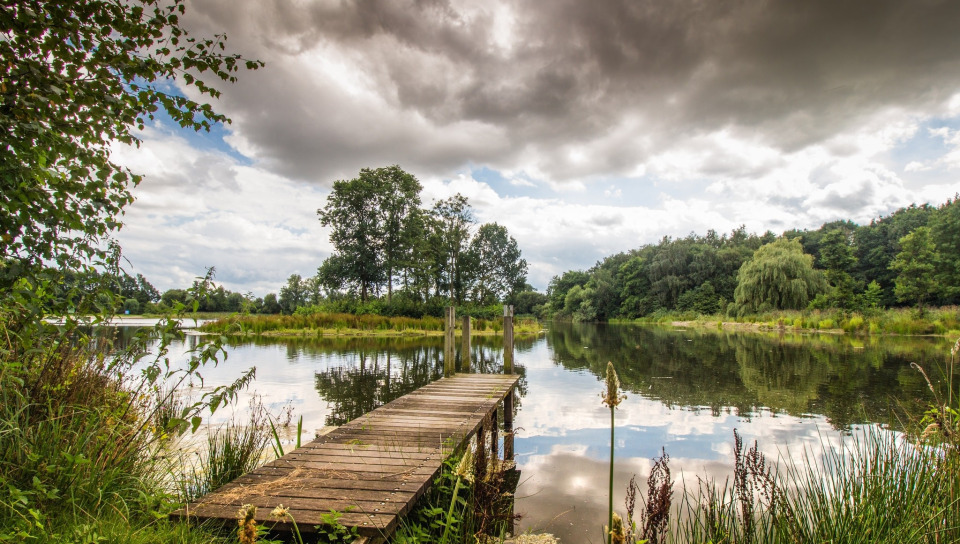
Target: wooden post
pixel 479 456
pixel 507 339
pixel 495 435
pixel 508 426
pixel 465 345
pixel 449 357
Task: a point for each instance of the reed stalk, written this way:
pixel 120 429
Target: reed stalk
pixel 612 398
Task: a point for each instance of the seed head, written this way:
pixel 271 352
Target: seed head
pixel 618 534
pixel 465 466
pixel 955 349
pixel 281 512
pixel 612 396
pixel 247 533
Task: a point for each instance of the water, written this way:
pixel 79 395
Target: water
pixel 687 392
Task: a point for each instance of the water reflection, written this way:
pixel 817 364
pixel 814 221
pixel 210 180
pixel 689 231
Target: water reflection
pixel 687 391
pixel 849 380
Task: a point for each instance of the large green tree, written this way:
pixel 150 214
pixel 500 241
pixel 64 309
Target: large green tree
pixel 370 218
pixel 915 266
pixel 498 269
pixel 452 221
pixel 945 231
pixel 778 276
pixel 77 76
pixel 836 257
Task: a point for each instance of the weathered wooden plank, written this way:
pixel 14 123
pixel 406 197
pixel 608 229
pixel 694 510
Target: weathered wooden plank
pixel 372 469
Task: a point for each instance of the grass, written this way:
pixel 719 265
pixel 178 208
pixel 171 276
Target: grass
pixel 943 321
pixel 231 451
pixel 326 324
pixel 467 503
pixel 877 487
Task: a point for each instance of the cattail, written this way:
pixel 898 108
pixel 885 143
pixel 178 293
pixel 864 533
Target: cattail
pixel 956 348
pixel 247 533
pixel 612 398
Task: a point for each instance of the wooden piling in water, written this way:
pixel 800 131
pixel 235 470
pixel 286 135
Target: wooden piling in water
pixel 449 349
pixel 465 345
pixel 507 339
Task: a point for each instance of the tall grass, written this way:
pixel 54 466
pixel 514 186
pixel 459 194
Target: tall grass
pixel 470 501
pixel 318 324
pixel 230 452
pixel 902 321
pixel 877 487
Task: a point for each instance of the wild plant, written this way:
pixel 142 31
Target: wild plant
pixel 655 517
pixel 79 428
pixel 612 398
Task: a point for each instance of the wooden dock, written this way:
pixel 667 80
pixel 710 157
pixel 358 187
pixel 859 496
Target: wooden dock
pixel 373 469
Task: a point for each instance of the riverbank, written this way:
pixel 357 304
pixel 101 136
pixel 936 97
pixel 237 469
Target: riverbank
pixel 944 321
pixel 340 325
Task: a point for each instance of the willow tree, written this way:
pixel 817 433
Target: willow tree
pixel 779 276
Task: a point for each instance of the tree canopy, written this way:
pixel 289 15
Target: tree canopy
pixel 778 276
pixel 383 237
pixel 79 75
pixel 916 267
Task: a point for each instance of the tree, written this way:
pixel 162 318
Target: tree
pixel 371 218
pixel 915 266
pixel 778 276
pixel 270 304
pixel 498 269
pixel 945 230
pixel 79 75
pixel 451 236
pixel 836 256
pixel 293 294
pixel 561 285
pixel 399 207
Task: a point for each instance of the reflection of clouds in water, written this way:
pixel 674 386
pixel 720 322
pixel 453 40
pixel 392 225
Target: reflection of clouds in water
pixel 554 466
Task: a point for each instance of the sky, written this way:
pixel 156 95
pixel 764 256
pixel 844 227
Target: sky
pixel 585 128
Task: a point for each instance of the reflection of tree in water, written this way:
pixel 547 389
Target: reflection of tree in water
pixel 377 378
pixel 850 380
pixel 379 370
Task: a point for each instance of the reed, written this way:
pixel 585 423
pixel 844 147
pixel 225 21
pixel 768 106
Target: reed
pixel 231 451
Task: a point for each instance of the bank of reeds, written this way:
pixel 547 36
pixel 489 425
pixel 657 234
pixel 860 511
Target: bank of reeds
pixel 876 487
pixel 231 451
pixel 322 324
pixel 901 321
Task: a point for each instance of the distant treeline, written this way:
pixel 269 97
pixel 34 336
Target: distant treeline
pixel 911 257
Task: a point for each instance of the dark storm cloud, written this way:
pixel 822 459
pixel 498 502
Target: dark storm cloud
pixel 448 90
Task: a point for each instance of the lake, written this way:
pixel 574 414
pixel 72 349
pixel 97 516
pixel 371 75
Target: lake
pixel 687 392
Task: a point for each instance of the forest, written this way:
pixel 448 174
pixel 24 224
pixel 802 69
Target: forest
pixel 414 262
pixel 908 258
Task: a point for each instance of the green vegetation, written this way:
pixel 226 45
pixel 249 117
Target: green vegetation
pixel 383 237
pixel 324 324
pixel 907 258
pixel 935 321
pixel 876 486
pixel 82 421
pixel 779 276
pixel 470 501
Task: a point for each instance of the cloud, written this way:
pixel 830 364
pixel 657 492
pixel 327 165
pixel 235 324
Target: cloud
pixel 433 85
pixel 605 126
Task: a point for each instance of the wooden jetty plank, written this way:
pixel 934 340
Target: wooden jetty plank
pixel 372 469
